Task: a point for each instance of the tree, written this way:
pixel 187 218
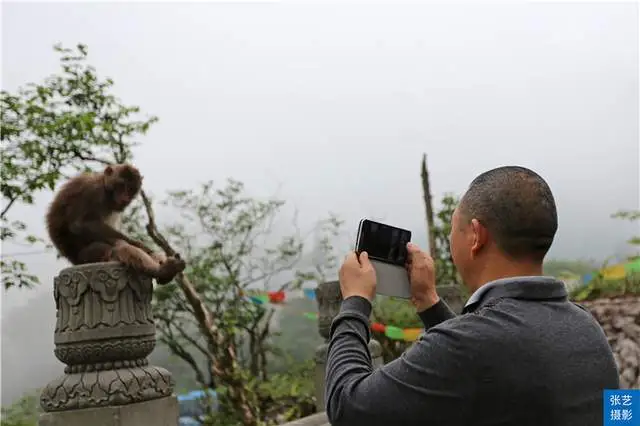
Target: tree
pixel 438 231
pixel 446 272
pixel 24 412
pixel 65 124
pixel 226 237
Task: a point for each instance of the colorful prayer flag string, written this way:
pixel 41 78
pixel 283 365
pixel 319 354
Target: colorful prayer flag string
pixel 395 333
pixel 614 272
pixel 279 297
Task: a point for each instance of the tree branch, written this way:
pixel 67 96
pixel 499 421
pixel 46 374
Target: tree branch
pixel 223 359
pixel 192 341
pixel 7 207
pixel 170 340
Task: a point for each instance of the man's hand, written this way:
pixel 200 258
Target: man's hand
pixel 422 276
pixel 357 277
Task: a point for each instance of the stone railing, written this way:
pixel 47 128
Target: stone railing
pixel 104 333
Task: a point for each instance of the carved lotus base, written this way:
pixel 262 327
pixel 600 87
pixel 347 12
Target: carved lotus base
pixel 115 351
pixel 106 388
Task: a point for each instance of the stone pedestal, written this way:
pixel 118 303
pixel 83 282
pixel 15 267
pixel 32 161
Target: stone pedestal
pixel 104 333
pixel 329 300
pixel 157 412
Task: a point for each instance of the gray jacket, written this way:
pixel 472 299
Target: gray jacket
pixel 520 354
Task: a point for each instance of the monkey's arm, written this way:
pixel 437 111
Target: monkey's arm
pixel 100 231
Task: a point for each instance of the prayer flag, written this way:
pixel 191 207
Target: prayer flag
pixel 614 272
pixel 276 296
pixel 633 266
pixel 260 299
pixel 394 333
pixel 411 334
pixel 310 293
pixel 376 326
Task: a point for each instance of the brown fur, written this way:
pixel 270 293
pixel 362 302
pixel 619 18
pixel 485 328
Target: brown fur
pixel 82 218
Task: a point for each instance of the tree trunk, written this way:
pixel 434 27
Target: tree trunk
pixel 223 361
pixel 426 192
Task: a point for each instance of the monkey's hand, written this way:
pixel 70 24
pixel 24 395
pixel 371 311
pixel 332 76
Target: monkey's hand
pixel 170 269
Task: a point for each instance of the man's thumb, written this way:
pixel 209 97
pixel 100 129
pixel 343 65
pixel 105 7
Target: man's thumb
pixel 364 258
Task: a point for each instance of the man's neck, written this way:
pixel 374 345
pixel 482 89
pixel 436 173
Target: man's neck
pixel 506 269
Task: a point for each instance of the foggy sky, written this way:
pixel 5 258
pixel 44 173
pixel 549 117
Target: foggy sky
pixel 333 105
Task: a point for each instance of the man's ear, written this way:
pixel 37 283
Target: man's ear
pixel 480 237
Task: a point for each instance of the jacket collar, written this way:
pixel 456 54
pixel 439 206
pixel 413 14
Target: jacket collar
pixel 528 288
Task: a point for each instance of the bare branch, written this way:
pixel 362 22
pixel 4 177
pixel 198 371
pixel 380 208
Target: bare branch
pixel 168 338
pixel 192 341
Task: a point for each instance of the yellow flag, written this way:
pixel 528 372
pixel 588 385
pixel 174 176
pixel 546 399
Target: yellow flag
pixel 411 334
pixel 615 272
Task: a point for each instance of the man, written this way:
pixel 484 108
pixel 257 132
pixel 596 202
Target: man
pixel 520 354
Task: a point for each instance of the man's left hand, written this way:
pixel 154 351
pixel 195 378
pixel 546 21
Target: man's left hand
pixel 357 276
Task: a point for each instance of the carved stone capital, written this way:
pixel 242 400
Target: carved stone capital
pixel 329 300
pixel 104 333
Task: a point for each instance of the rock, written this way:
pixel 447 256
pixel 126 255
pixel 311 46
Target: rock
pixel 620 320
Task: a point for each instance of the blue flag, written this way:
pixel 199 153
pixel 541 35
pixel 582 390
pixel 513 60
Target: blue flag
pixel 310 293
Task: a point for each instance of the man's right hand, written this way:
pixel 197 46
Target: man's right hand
pixel 422 276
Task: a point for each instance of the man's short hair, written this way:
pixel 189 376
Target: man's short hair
pixel 517 207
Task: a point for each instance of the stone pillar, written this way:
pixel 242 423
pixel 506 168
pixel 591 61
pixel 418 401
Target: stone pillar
pixel 104 333
pixel 329 300
pixel 453 295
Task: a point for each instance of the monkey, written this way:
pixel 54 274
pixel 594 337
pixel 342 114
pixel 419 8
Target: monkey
pixel 83 217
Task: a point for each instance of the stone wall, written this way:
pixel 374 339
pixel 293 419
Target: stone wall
pixel 620 319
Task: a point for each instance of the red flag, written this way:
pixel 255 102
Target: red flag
pixel 376 326
pixel 276 296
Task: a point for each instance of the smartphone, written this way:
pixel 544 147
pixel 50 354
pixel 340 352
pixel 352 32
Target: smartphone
pixel 386 246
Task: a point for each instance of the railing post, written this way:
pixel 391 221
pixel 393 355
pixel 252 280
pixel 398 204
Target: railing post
pixel 104 333
pixel 329 300
pixel 452 294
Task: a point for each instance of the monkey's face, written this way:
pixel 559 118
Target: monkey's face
pixel 123 183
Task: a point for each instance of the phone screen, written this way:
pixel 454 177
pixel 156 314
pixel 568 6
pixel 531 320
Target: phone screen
pixel 383 242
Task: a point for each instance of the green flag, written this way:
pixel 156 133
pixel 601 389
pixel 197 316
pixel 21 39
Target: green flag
pixel 633 266
pixel 311 315
pixel 394 333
